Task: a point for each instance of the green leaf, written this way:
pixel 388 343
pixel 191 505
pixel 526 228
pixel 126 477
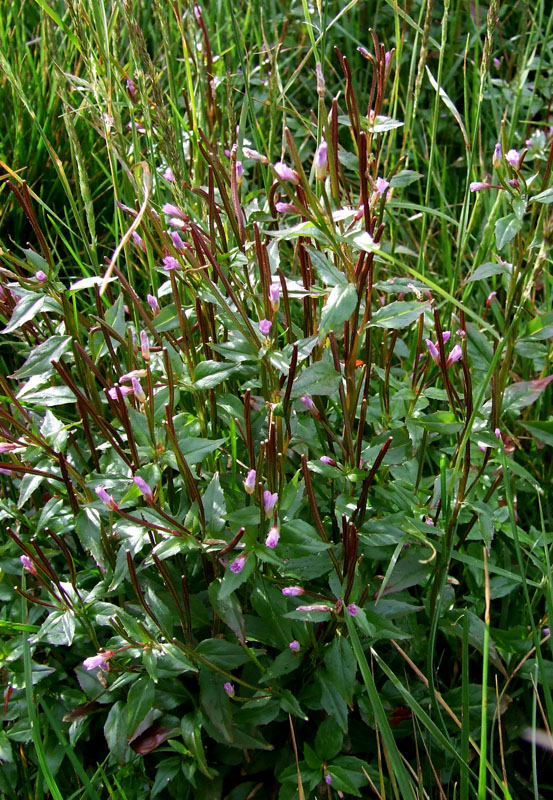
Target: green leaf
pixel 543 431
pixel 215 702
pixel 541 327
pixel 439 422
pixel 405 178
pixel 194 449
pixel 232 580
pixel 318 379
pixel 50 396
pixel 209 374
pixel 543 197
pixel 289 704
pixel 396 764
pixel 325 269
pixel 524 393
pixel 398 314
pixel 331 699
pixel 25 311
pixel 506 229
pixel 329 739
pixel 341 665
pixel 222 653
pixel 115 731
pixel 36 260
pixel 488 269
pixel 140 700
pixel 341 780
pixel 338 308
pixel 214 506
pixel 229 610
pixel 40 357
pixel 191 730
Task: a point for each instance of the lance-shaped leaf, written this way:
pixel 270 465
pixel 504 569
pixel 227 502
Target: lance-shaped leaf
pixel 398 314
pixel 338 308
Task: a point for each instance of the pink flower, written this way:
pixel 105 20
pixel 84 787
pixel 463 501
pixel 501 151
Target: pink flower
pixel 477 186
pixel 265 326
pixel 512 157
pixel 28 564
pixel 254 155
pixel 138 390
pixel 285 208
pixel 446 336
pixel 274 296
pixel 131 89
pixel 168 175
pixel 7 447
pixel 249 483
pixel 497 154
pixel 490 298
pixel 173 211
pixel 41 276
pixel 321 161
pixel 272 538
pixel 308 403
pixel 285 173
pixel 178 244
pixel 380 186
pixel 106 498
pixel 169 263
pixel 144 489
pixel 433 350
pixel 292 591
pixel 144 346
pixel 99 661
pixel 454 356
pixel 328 460
pixel 352 610
pixel 239 173
pixel 229 689
pixel 238 564
pixel 294 646
pixel 113 392
pixel 139 241
pixel 153 303
pixel 328 779
pixel 269 501
pixel 497 433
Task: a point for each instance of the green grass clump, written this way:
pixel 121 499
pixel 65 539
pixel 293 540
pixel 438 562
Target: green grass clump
pixel 275 408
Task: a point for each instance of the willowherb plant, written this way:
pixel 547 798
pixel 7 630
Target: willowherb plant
pixel 256 467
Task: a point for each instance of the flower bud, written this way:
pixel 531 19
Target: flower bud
pixel 238 564
pixel 292 591
pixel 144 346
pixel 321 161
pixel 106 498
pixel 144 489
pixel 153 303
pixel 274 296
pixel 269 501
pixel 249 483
pixel 272 538
pixel 138 390
pixel 286 173
pixel 28 564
